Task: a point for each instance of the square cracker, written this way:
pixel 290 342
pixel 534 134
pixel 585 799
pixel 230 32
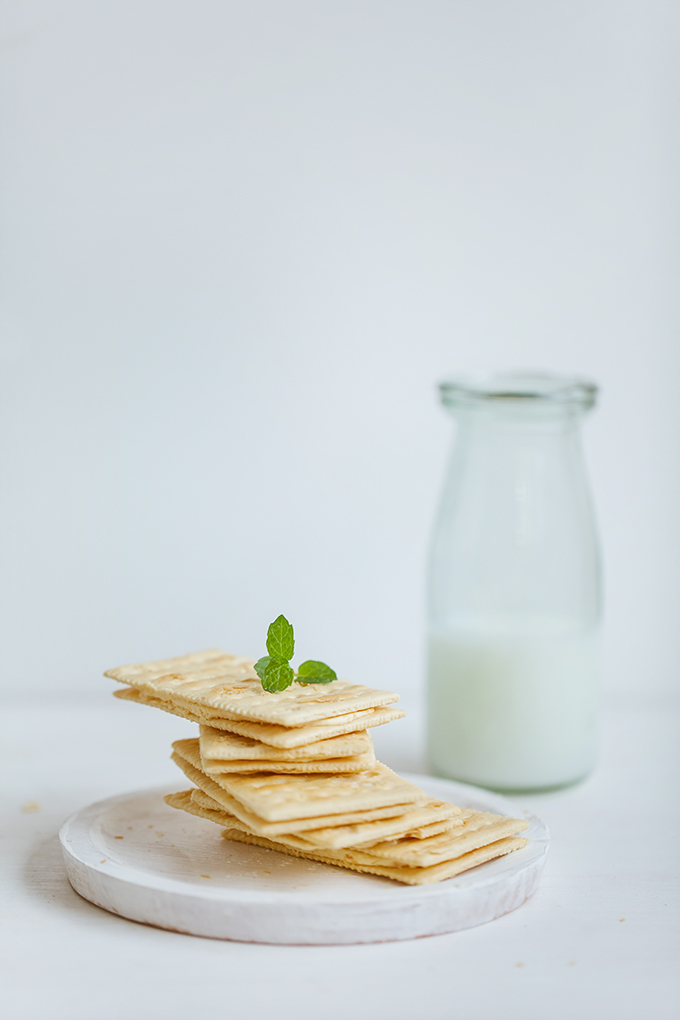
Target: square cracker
pixel 187 801
pixel 229 684
pixel 266 733
pixel 188 760
pixel 446 846
pixel 276 798
pixel 406 875
pixel 428 813
pixel 220 746
pixel 356 763
pixel 452 844
pixel 201 804
pixel 339 837
pixel 196 802
pixel 287 736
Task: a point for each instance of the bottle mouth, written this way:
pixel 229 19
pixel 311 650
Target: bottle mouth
pixel 520 390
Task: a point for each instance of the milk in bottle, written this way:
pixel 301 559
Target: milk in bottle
pixel 514 590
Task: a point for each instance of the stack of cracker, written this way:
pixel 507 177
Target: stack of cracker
pixel 295 771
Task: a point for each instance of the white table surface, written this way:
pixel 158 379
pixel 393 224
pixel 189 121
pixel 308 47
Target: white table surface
pixel 598 941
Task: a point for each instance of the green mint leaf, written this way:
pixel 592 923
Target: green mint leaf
pixel 277 676
pixel 280 640
pixel 261 665
pixel 314 672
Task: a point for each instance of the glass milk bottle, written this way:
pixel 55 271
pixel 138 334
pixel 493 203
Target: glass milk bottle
pixel 514 589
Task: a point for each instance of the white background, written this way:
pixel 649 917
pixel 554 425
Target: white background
pixel 242 241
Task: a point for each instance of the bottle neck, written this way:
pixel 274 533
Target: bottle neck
pixel 539 418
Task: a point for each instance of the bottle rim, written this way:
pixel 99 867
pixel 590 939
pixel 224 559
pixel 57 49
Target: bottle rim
pixel 520 388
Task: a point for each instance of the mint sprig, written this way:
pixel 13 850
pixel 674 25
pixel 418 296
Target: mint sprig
pixel 275 671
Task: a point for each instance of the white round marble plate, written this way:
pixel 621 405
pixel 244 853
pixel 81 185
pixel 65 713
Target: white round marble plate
pixel 136 857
